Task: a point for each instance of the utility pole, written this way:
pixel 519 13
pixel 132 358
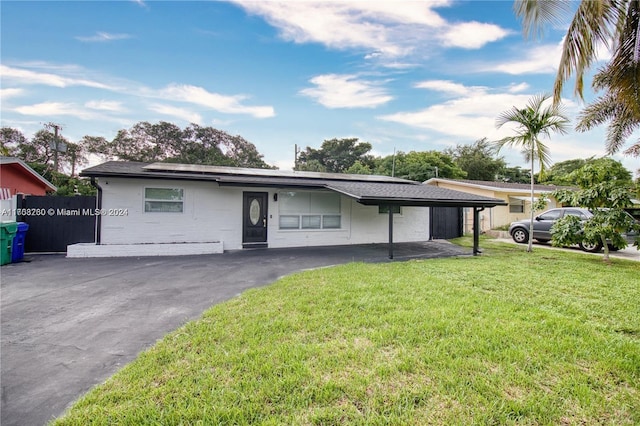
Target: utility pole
pixel 296 151
pixel 56 128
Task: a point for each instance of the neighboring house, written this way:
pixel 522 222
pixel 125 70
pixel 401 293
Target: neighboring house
pixel 517 198
pixel 165 208
pixel 16 177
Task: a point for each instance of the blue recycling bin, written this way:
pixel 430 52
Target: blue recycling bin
pixel 17 249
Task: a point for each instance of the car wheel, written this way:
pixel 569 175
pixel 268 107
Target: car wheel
pixel 613 248
pixel 591 248
pixel 520 235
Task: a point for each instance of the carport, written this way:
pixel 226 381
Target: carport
pixel 381 194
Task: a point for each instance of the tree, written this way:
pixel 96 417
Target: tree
pixel 359 169
pixel 9 140
pixel 163 141
pixel 477 160
pixel 514 175
pixel 563 173
pixel 336 155
pixel 614 24
pixel 623 119
pixel 558 173
pixel 419 166
pixel 532 122
pixel 606 195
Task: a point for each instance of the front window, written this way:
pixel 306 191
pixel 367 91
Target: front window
pixel 163 200
pixel 516 205
pixel 309 210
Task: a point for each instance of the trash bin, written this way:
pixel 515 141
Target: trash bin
pixel 7 232
pixel 17 248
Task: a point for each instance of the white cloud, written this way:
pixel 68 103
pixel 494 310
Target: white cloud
pixel 10 93
pixel 56 109
pixel 346 91
pixel 200 96
pixel 387 29
pixel 25 76
pixel 472 115
pixel 517 88
pixel 67 76
pixel 180 113
pixel 472 35
pixel 542 59
pixel 101 36
pixel 449 87
pixel 112 106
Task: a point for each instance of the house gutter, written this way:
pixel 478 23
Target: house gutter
pixel 99 208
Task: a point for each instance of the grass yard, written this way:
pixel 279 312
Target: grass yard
pixel 505 338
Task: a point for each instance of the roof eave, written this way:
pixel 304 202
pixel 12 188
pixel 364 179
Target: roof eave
pixel 376 201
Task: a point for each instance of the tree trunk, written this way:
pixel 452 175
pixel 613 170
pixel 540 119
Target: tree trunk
pixel 530 246
pixel 605 247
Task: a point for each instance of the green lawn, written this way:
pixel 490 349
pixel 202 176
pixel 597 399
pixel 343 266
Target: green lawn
pixel 505 338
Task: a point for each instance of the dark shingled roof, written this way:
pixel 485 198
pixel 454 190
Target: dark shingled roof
pixel 366 189
pixel 410 195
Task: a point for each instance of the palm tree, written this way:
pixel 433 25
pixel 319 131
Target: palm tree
pixel 614 24
pixel 532 122
pixel 623 118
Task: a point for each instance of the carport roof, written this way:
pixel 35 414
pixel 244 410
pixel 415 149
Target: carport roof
pixel 365 189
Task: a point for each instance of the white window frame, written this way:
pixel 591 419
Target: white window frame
pixel 146 200
pixel 310 220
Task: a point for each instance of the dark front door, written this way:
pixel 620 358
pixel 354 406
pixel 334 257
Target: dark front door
pixel 254 219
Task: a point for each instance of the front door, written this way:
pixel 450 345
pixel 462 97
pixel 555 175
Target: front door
pixel 254 219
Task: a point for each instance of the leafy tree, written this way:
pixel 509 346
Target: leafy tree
pixel 514 175
pixel 336 156
pixel 612 23
pixel 9 139
pixel 420 166
pixel 477 160
pixel 532 122
pixel 563 173
pixel 558 173
pixel 165 141
pixel 606 195
pixel 359 169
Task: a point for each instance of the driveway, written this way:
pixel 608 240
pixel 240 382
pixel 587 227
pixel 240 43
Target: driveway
pixel 69 324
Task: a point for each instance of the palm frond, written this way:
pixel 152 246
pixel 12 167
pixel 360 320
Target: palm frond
pixel 594 23
pixel 536 14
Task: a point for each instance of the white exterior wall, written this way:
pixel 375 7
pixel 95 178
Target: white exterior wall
pixel 214 214
pixel 360 225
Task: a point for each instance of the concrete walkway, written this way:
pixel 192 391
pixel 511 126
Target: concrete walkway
pixel 630 253
pixel 69 324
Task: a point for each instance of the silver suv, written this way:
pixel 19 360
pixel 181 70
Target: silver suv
pixel 542 224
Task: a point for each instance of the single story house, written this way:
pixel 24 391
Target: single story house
pixel 16 177
pixel 166 208
pixel 516 197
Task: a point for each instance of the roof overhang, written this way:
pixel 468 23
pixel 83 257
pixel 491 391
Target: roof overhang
pixel 365 189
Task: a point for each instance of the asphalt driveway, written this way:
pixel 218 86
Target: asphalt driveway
pixel 69 324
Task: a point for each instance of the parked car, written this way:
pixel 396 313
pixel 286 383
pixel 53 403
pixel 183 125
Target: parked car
pixel 542 224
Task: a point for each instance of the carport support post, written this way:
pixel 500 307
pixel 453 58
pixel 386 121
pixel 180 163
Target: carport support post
pixel 476 230
pixel 390 232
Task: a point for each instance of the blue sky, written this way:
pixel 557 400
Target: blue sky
pixel 400 75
